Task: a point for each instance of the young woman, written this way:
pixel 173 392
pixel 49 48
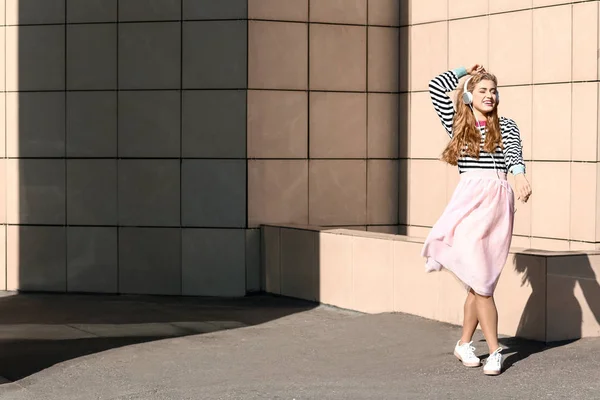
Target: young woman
pixel 472 237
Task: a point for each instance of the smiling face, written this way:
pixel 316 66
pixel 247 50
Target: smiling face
pixel 485 96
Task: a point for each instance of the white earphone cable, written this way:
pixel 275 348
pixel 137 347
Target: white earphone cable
pixel 479 127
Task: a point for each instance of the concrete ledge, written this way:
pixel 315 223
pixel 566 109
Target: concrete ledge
pixel 541 295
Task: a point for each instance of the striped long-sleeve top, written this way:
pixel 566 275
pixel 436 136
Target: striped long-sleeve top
pixel 507 158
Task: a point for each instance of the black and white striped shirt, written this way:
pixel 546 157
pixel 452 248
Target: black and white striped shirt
pixel 507 158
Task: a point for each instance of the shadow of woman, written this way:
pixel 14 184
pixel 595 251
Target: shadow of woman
pixel 565 298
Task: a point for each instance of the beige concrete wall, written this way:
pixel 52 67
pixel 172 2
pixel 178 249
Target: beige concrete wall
pixel 323 112
pixel 125 159
pixel 145 142
pixel 143 146
pixel 544 54
pixel 541 295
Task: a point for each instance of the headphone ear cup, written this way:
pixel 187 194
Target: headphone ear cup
pixel 497 97
pixel 467 98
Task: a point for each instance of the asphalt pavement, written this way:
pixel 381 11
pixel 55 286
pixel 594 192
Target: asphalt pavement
pixel 63 347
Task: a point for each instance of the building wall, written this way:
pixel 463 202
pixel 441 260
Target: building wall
pixel 323 112
pixel 145 142
pixel 125 153
pixel 544 54
pixel 145 145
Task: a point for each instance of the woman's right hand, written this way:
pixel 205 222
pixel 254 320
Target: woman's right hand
pixel 475 69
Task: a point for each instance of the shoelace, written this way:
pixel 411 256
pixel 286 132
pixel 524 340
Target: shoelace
pixel 494 359
pixel 470 350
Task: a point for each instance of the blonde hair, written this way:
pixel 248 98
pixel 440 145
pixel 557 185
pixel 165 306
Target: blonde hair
pixel 466 138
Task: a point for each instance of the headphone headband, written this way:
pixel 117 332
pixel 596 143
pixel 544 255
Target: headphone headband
pixel 467 96
pixel 467 82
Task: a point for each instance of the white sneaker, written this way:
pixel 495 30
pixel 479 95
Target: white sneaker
pixel 465 353
pixel 493 364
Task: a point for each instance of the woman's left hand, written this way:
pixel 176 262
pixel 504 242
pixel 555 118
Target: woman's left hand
pixel 522 188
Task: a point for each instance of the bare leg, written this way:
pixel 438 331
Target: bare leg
pixel 488 319
pixel 470 320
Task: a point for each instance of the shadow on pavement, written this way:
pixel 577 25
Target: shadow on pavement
pixel 41 330
pixel 553 310
pixel 517 349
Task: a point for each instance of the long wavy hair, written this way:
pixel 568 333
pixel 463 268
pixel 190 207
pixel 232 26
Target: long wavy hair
pixel 466 138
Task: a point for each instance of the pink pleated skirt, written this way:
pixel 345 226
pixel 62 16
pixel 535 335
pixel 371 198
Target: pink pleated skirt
pixel 472 237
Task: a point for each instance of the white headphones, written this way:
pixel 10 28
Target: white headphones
pixel 468 96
